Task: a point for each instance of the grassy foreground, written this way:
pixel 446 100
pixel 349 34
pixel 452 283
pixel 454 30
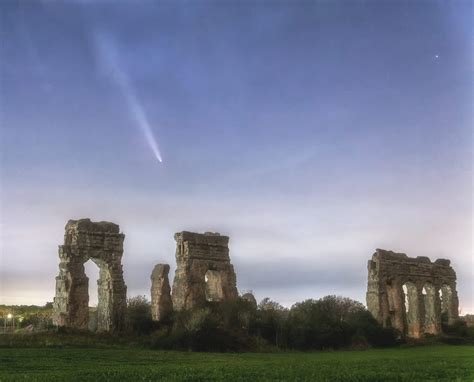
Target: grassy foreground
pixel 426 363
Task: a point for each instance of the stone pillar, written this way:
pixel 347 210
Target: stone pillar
pixel 72 292
pixel 437 310
pixel 377 301
pixel 398 311
pixel 430 317
pixel 161 304
pixel 453 308
pixel 417 327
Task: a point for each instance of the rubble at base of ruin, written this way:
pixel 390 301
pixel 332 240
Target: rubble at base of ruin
pixel 412 295
pixel 249 297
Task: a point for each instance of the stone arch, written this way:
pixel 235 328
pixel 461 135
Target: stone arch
pixel 411 307
pixel 430 322
pixel 102 243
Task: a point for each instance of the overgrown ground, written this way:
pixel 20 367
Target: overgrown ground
pixel 422 363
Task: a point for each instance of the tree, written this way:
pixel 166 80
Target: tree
pixel 323 323
pixel 270 321
pixel 139 315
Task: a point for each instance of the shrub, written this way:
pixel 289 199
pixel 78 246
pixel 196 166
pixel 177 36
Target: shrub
pixel 368 327
pixel 334 322
pixel 138 317
pixel 458 332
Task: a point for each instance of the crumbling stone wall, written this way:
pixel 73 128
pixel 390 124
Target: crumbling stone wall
pixel 101 242
pixel 411 294
pixel 204 272
pixel 161 304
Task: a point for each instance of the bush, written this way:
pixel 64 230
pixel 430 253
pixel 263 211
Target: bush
pixel 329 323
pixel 216 326
pixel 138 317
pixel 368 327
pixel 458 328
pixel 334 322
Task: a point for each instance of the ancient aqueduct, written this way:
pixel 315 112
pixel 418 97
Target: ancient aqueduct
pixel 409 294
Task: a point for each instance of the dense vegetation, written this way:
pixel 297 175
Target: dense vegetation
pixel 426 363
pixel 328 323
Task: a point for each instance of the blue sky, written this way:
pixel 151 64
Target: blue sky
pixel 310 132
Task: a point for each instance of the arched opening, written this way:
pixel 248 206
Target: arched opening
pixel 213 282
pixel 411 309
pixel 92 272
pixel 428 294
pixel 99 294
pixel 446 296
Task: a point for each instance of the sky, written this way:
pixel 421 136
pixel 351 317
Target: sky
pixel 310 132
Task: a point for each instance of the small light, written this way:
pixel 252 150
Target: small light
pixel 9 316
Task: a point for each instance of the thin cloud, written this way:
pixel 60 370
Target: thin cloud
pixel 110 60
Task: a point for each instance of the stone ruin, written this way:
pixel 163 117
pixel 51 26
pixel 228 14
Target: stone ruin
pixel 411 295
pixel 204 273
pixel 102 243
pixel 161 304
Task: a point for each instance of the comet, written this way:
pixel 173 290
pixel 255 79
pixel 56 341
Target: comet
pixel 110 61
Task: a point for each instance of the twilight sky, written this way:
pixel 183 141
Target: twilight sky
pixel 309 132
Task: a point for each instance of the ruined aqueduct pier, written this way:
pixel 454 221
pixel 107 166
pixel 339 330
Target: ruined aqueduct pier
pixel 411 294
pixel 102 243
pixel 204 273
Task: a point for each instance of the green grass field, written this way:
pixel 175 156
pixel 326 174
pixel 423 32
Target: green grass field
pixel 424 363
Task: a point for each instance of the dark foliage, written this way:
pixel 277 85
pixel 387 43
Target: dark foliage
pixel 332 322
pixel 214 327
pixel 139 319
